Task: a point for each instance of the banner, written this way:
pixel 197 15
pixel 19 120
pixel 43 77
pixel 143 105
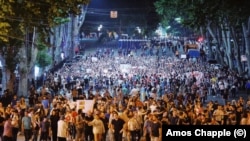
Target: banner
pixel 243 58
pixel 94 59
pixel 85 105
pixel 125 68
pixel 183 56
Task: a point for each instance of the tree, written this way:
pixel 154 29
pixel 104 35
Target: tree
pixel 43 58
pixel 23 22
pixel 220 19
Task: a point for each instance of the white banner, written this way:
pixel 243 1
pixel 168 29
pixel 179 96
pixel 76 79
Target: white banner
pixel 94 59
pixel 243 58
pixel 125 68
pixel 183 56
pixel 85 105
pixel 88 70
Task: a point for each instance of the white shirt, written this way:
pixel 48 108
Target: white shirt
pixel 62 127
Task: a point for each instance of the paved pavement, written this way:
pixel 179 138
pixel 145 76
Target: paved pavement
pixel 20 138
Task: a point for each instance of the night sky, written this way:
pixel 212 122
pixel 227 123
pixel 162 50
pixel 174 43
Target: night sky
pixel 109 4
pixel 99 10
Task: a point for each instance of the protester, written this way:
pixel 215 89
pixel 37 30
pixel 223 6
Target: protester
pixel 45 129
pixel 27 126
pixel 7 132
pixel 79 126
pixel 98 127
pixel 62 129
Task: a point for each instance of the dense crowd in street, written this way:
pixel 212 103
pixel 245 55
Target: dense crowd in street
pixel 135 92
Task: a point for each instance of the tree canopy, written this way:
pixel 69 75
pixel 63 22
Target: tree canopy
pixel 42 14
pixel 197 13
pixel 19 17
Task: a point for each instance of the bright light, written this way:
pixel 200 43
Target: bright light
pixel 62 55
pixel 99 28
pixel 138 29
pixel 36 71
pixel 1 64
pixel 113 14
pixel 200 39
pixel 178 20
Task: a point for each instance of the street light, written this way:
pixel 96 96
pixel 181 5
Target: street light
pixel 138 29
pixel 99 28
pixel 178 20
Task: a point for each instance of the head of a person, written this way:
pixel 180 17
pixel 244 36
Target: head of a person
pixel 26 113
pixel 62 117
pixel 102 115
pixel 115 115
pixel 79 111
pixel 8 117
pixel 53 112
pixel 154 117
pixel 45 119
pixel 89 113
pixel 130 114
pixel 96 116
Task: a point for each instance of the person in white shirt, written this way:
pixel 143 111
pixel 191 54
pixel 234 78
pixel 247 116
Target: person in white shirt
pixel 62 129
pixel 98 128
pixel 221 87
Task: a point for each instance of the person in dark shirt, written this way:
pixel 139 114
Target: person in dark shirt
pixel 14 101
pixel 88 129
pixel 247 86
pixel 36 126
pixel 31 100
pixel 1 125
pixel 105 121
pixel 44 129
pixel 54 118
pixel 117 126
pixel 155 128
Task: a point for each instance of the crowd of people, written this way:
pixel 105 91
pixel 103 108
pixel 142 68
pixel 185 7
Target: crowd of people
pixel 135 94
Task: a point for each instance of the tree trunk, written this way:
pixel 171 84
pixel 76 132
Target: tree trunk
pixel 210 52
pixel 68 46
pixel 246 34
pixel 4 74
pixel 236 54
pixel 58 48
pixel 23 71
pixel 26 64
pixel 226 34
pixel 77 22
pixel 75 35
pixel 11 84
pixel 56 41
pixel 217 52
